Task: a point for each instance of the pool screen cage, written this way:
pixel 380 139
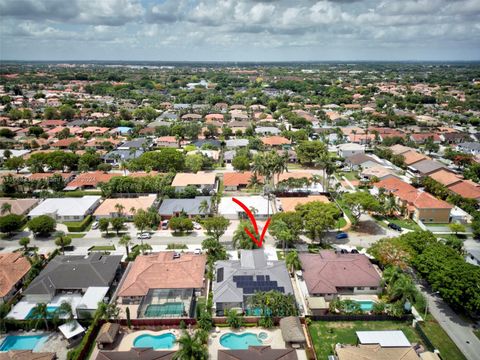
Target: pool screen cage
pixel 167 303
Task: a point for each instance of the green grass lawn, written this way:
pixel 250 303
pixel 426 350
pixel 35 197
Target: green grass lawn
pixel 325 334
pixel 76 235
pixel 349 175
pixel 403 223
pixel 340 223
pixel 102 248
pixel 280 255
pixel 477 333
pixel 345 209
pixel 441 341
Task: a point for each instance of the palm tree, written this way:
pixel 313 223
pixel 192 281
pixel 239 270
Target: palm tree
pixel 234 320
pixel 204 207
pixel 119 208
pixel 39 313
pixel 63 241
pixel 293 261
pixel 254 210
pixel 126 241
pixel 65 311
pixel 191 347
pixel 6 208
pixel 144 247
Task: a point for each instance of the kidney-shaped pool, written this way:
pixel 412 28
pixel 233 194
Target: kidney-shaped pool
pixel 163 341
pixel 240 341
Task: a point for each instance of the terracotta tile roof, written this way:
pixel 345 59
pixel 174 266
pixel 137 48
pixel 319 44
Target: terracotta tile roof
pixel 27 355
pixel 445 177
pixel 91 179
pixel 237 178
pixel 13 267
pixel 412 157
pixel 19 206
pixel 290 203
pixel 107 208
pixel 162 271
pixel 40 176
pixel 138 174
pixel 293 175
pixel 67 142
pixel 399 149
pixel 375 352
pixel 424 136
pixel 466 189
pixel 327 271
pixel 200 178
pixel 425 200
pixel 275 140
pixel 46 123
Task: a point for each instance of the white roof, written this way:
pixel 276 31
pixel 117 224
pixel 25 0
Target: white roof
pixel 92 297
pixel 259 203
pixel 65 206
pixel 388 338
pixel 350 146
pixel 71 329
pixel 14 153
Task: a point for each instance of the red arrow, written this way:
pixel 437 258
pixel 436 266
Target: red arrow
pixel 254 238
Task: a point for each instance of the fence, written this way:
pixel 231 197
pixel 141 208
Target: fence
pixel 382 317
pixel 424 337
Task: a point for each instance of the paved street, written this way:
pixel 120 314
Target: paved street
pixel 459 330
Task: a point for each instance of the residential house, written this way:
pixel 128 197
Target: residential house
pixel 378 172
pixel 173 293
pixel 139 143
pixel 236 143
pixel 203 181
pixel 19 206
pixel 82 281
pixel 275 141
pixel 236 180
pixel 446 178
pixel 237 280
pixel 169 141
pixel 190 207
pixel 350 149
pixel 329 274
pixel 258 353
pixel 259 205
pixel 426 167
pixel 418 205
pixel 90 180
pixel 119 156
pixel 135 353
pixel 66 209
pixel 290 203
pixel 361 161
pixel 469 148
pixel 67 143
pixel 110 208
pixel 399 149
pixel 455 137
pixel 27 355
pixel 267 130
pixel 467 189
pixel 13 269
pixel 412 157
pixel 421 138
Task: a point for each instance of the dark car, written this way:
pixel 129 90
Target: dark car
pixel 341 235
pixel 394 226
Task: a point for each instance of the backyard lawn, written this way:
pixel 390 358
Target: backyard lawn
pixel 325 334
pixel 349 175
pixel 403 223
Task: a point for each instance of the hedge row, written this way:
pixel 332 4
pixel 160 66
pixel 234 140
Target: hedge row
pixel 79 226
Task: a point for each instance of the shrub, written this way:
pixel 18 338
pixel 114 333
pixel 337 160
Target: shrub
pixel 42 225
pixel 79 226
pixel 11 223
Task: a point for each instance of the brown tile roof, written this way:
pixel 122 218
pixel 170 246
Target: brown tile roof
pixel 466 189
pixel 67 142
pixel 275 140
pixel 200 178
pixel 26 355
pixel 375 352
pixel 424 136
pixel 258 353
pixel 412 157
pixel 47 123
pixel 13 267
pixel 107 208
pixel 136 354
pixel 399 149
pixel 40 176
pixel 237 178
pixel 162 271
pixel 445 177
pixel 19 206
pixel 91 179
pixel 293 175
pixel 326 271
pixel 290 203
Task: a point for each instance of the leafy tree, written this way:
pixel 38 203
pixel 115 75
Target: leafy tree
pixel 6 208
pixel 215 250
pixel 194 162
pixel 126 241
pixel 456 228
pixel 234 320
pixel 15 163
pixel 241 163
pixel 318 217
pixel 361 202
pixel 216 226
pixel 42 225
pixel 241 240
pixel 103 225
pixel 293 261
pixel 118 224
pixel 144 219
pixel 431 146
pixel 24 241
pixel 274 303
pixel 35 131
pixel 63 241
pixel 107 311
pixel 309 151
pixel 163 160
pixel 191 347
pixel 11 223
pixel 181 224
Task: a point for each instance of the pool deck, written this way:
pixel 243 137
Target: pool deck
pixel 363 297
pixel 54 342
pixel 127 341
pixel 274 340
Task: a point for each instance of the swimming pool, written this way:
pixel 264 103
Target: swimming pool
pixel 365 305
pixel 164 310
pixel 239 341
pixel 22 342
pixel 163 341
pixel 50 311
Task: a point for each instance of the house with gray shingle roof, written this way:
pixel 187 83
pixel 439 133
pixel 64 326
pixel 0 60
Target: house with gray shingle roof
pixel 237 280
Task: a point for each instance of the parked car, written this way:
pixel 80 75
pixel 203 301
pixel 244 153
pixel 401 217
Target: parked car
pixel 341 235
pixel 197 251
pixel 394 226
pixel 144 236
pixel 176 255
pixel 95 225
pixel 165 225
pixel 197 226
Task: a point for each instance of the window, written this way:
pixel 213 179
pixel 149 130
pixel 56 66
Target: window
pixel 359 287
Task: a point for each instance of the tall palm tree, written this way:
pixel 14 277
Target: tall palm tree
pixel 65 311
pixel 191 347
pixel 204 207
pixel 126 241
pixel 119 208
pixel 293 261
pixel 39 313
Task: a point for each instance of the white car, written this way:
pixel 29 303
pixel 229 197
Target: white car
pixel 197 251
pixel 144 236
pixel 197 226
pixel 95 225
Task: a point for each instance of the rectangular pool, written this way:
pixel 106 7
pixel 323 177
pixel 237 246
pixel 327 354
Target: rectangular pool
pixel 50 311
pixel 22 342
pixel 365 305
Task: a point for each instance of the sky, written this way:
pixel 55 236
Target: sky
pixel 240 30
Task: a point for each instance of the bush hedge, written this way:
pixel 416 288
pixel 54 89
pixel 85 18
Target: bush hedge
pixel 79 226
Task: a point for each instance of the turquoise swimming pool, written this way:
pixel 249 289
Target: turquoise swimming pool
pixel 365 305
pixel 239 341
pixel 22 342
pixel 163 341
pixel 50 311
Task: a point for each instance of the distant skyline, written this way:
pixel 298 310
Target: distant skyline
pixel 240 30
